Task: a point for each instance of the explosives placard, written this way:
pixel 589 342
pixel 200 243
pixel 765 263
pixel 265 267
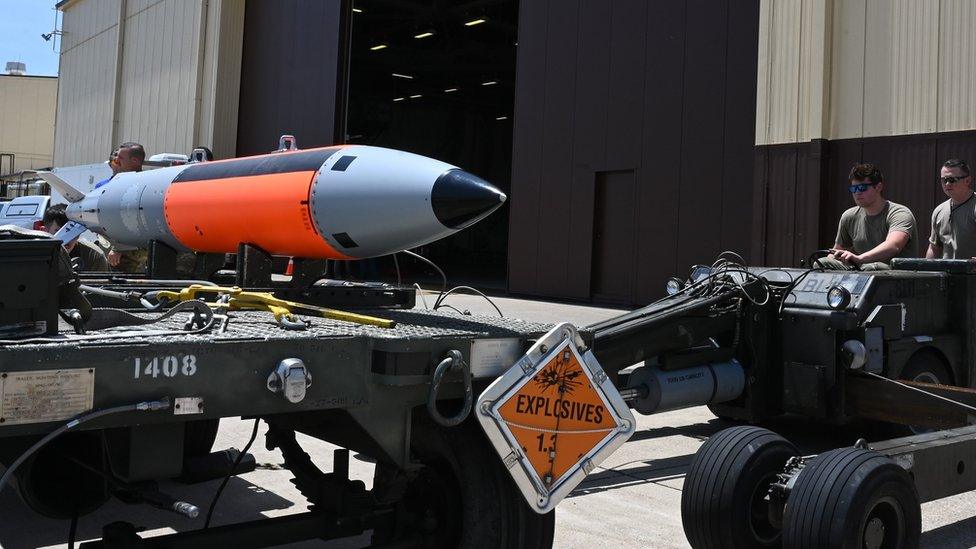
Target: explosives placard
pixel 553 417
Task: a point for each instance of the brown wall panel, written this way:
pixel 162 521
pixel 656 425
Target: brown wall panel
pixel 740 120
pixel 624 92
pixel 589 137
pixel 811 167
pixel 557 253
pixel 702 135
pixel 660 172
pixel 523 239
pixel 625 113
pixel 613 259
pixel 289 65
pixel 781 181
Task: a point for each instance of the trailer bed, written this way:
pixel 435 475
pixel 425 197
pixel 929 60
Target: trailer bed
pixel 46 380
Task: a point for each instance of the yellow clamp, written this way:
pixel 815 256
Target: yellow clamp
pixel 280 308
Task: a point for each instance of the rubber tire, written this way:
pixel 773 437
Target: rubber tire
pixel 834 492
pixel 926 362
pixel 487 509
pixel 727 471
pixel 199 437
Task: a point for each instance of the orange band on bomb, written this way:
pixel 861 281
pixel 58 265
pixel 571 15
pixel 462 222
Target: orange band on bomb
pixel 269 211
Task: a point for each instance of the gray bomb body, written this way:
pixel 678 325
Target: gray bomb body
pixel 345 202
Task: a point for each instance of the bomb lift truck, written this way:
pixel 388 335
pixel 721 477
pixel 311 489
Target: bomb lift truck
pixel 894 346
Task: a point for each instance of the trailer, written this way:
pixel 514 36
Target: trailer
pixel 100 402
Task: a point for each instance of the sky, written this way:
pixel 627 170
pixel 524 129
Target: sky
pixel 22 22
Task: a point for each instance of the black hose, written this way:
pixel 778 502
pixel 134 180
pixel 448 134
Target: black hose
pixel 152 405
pixel 237 462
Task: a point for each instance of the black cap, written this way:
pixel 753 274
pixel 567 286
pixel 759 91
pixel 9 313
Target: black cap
pixel 460 199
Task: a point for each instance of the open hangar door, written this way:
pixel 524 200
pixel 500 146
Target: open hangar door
pixel 437 78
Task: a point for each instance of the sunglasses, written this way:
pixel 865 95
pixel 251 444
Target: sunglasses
pixel 860 187
pixel 949 180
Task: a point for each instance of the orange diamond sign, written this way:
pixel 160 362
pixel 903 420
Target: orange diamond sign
pixel 553 416
pixel 557 417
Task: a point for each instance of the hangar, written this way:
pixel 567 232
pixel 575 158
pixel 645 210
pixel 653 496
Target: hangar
pixel 634 138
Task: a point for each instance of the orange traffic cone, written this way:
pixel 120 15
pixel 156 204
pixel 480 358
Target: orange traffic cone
pixel 290 269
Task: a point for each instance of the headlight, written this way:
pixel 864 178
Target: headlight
pixel 700 272
pixel 838 297
pixel 674 285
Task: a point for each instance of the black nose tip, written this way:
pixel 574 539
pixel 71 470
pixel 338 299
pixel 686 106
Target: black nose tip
pixel 460 199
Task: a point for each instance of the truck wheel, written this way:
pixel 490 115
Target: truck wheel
pixel 199 437
pixel 463 496
pixel 927 367
pixel 724 501
pixel 852 498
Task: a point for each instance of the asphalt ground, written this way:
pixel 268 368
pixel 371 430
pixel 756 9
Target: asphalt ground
pixel 632 500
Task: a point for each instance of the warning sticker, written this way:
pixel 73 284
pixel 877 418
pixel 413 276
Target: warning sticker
pixel 557 417
pixel 45 395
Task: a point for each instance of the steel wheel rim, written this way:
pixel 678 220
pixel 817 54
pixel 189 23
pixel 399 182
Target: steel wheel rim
pixel 883 525
pixel 760 525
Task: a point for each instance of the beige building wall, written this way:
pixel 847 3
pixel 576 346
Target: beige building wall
pixel 27 106
pixel 87 75
pixel 839 69
pixel 168 76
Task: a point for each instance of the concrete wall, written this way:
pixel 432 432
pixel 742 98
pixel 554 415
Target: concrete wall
pixel 165 73
pixel 27 105
pixel 841 69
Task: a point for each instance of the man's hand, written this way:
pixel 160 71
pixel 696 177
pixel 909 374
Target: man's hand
pixel 846 257
pixel 113 258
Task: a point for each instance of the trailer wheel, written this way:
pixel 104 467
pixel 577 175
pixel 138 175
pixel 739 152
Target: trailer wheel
pixel 724 501
pixel 463 496
pixel 854 498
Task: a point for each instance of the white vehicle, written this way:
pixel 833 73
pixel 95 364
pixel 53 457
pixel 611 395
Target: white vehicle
pixel 25 211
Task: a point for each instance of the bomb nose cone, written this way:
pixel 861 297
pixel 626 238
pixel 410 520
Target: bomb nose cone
pixel 460 199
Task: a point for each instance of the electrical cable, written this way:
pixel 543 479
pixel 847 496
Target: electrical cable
pixel 147 406
pixel 422 298
pixel 73 528
pixel 432 264
pixel 237 462
pixel 396 264
pixel 440 300
pixel 455 309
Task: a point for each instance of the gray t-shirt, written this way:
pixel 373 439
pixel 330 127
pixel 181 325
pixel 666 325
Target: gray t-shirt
pixel 954 229
pixel 861 232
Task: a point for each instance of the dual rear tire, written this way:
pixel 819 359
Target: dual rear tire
pixel 852 498
pixel 844 498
